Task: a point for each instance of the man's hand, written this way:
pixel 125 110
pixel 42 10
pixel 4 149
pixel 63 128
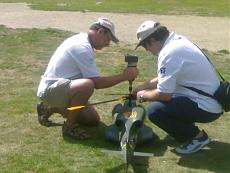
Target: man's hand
pixel 140 96
pixel 130 73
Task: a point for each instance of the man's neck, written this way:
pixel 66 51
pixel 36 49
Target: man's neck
pixel 90 38
pixel 161 44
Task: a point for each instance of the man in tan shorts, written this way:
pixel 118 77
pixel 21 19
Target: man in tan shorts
pixel 72 75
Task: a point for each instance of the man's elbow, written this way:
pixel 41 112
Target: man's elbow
pixel 96 82
pixel 96 87
pixel 166 96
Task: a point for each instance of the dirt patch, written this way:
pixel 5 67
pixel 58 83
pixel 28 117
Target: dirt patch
pixel 212 33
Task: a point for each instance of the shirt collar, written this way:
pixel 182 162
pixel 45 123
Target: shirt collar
pixel 170 37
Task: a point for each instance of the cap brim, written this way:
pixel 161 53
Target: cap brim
pixel 114 39
pixel 138 45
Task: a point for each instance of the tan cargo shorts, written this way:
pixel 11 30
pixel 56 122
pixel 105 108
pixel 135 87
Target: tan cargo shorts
pixel 57 94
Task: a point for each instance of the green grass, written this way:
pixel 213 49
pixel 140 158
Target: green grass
pixel 27 147
pixel 169 7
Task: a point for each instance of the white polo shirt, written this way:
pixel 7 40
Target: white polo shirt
pixel 73 59
pixel 180 62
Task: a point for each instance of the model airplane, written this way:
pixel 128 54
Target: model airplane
pixel 128 127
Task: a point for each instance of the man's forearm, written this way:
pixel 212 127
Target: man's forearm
pixel 105 82
pixel 148 85
pixel 153 95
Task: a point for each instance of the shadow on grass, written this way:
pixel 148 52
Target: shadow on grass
pixel 139 164
pixel 216 158
pixel 96 134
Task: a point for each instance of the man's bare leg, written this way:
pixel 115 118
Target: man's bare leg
pixel 80 92
pixel 88 116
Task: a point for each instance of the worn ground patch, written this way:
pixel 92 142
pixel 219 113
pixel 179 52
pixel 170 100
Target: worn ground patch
pixel 212 33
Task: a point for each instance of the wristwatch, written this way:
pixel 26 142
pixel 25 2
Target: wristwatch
pixel 141 98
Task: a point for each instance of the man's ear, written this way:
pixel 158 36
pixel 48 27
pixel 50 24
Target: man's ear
pixel 152 40
pixel 100 31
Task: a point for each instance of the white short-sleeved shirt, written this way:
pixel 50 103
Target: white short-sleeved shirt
pixel 180 62
pixel 73 59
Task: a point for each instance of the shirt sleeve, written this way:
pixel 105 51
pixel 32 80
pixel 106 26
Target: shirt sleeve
pixel 168 70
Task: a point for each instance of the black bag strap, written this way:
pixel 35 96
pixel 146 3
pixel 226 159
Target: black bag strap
pixel 200 91
pixel 222 78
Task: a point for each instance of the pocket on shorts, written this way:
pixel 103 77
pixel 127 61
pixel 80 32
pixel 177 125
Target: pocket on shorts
pixel 57 94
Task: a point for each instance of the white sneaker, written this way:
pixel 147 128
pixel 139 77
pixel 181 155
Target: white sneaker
pixel 195 145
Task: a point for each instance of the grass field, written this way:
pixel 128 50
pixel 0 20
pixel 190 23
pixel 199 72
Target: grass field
pixel 27 147
pixel 178 7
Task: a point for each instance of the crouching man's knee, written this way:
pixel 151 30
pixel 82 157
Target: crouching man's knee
pixel 83 87
pixel 155 111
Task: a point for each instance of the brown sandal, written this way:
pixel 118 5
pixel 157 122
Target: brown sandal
pixel 43 115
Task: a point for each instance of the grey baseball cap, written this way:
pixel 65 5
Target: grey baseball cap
pixel 146 29
pixel 105 22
